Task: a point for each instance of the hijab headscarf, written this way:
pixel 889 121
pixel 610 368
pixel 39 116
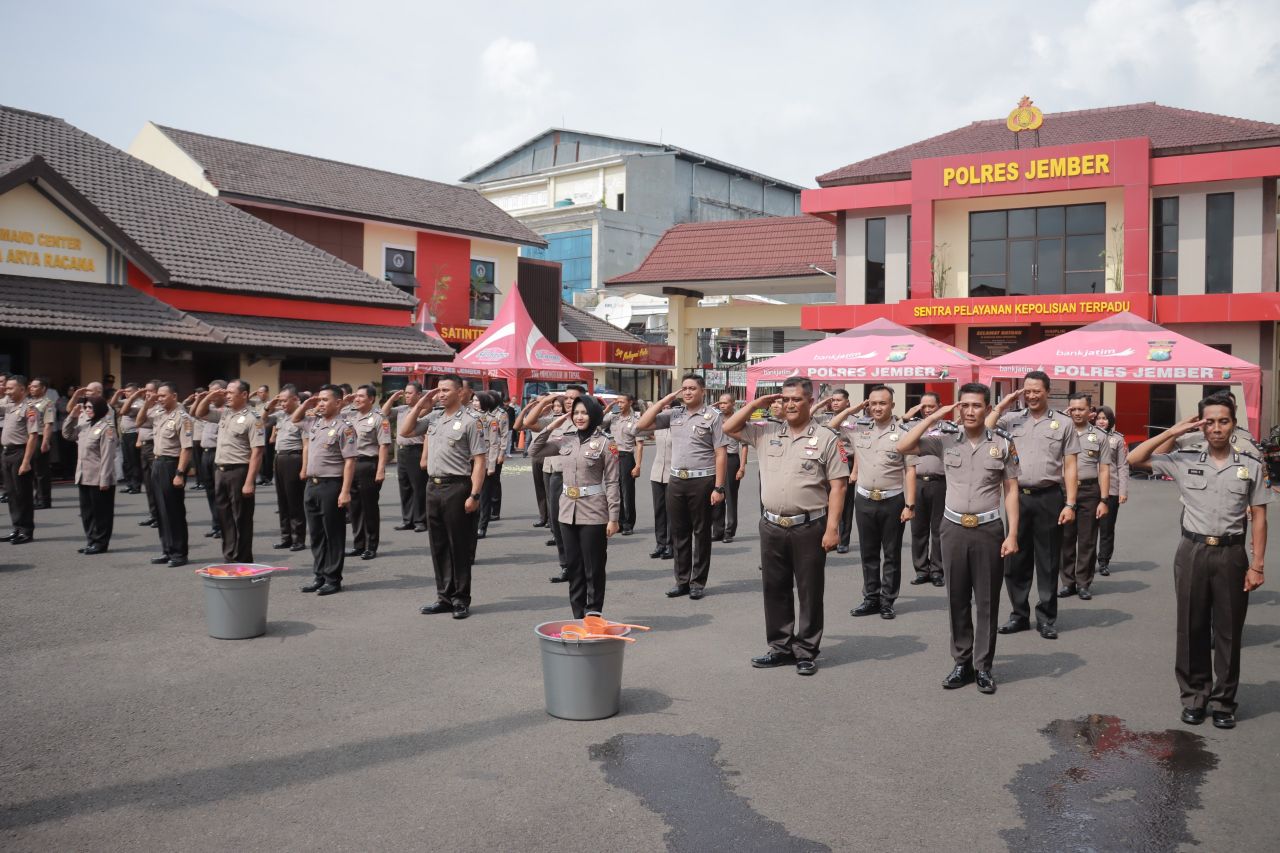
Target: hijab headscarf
pixel 595 416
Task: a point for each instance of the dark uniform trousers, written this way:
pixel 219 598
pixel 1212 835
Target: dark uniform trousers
pixel 1209 583
pixel 880 530
pixel 289 495
pixel 132 459
pixel 235 512
pixel 724 515
pixel 689 520
pixel 172 504
pixel 627 489
pixel 366 524
pixel 205 470
pixel 540 490
pixel 266 472
pixel 197 460
pixel 846 515
pixel 97 515
pixel 586 548
pixel 1107 531
pixel 21 490
pixel 413 485
pixel 147 459
pixel 485 513
pixel 1039 554
pixel 974 573
pixel 793 555
pixel 43 480
pixel 926 525
pixel 327 527
pixel 1080 537
pixel 555 489
pixel 661 533
pixel 495 502
pixel 453 538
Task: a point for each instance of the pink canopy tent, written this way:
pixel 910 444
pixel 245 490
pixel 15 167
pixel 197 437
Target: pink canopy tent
pixel 1127 348
pixel 879 351
pixel 515 350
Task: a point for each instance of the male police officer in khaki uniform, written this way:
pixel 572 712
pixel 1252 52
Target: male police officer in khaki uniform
pixel 659 477
pixel 38 394
pixel 980 464
pixel 824 411
pixel 1047 450
pixel 146 448
pixel 724 515
pixel 931 493
pixel 699 467
pixel 21 439
pixel 1095 467
pixel 804 474
pixel 237 458
pixel 886 500
pixel 1223 491
pixel 289 477
pixel 373 443
pixel 172 428
pixel 329 462
pixel 207 438
pixel 455 455
pixel 622 429
pixel 409 472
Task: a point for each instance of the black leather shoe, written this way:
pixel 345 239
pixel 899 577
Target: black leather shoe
pixel 1014 626
pixel 177 562
pixel 806 667
pixel 959 677
pixel 146 522
pixel 842 549
pixel 437 607
pixel 772 659
pixel 677 591
pixel 1224 720
pixel 696 594
pixel 563 577
pixel 368 555
pixel 655 553
pixel 1193 716
pixel 155 523
pixel 919 579
pixel 11 536
pixel 217 534
pixel 1104 570
pixel 282 545
pixel 81 550
pixel 461 611
pixel 668 554
pixel 420 528
pixel 887 611
pixel 1084 594
pixel 1048 632
pixel 866 608
pixel 539 524
pixel 627 531
pixel 354 552
pixel 551 542
pixel 20 539
pixel 159 561
pixel 719 538
pixel 1067 591
pixel 986 682
pixel 94 549
pixel 329 589
pixel 312 587
pixel 211 534
pixel 939 580
pixel 297 546
pixel 403 527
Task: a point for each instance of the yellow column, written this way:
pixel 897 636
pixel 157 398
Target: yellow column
pixel 681 335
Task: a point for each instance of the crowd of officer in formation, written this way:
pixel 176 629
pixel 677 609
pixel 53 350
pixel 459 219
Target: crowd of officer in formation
pixel 995 496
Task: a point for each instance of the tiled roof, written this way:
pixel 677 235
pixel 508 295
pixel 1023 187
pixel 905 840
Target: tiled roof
pixel 767 247
pixel 253 171
pixel 95 309
pixel 263 333
pixel 1171 130
pixel 199 241
pixel 588 327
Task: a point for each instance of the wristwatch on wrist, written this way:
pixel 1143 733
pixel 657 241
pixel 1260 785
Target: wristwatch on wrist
pixel 719 489
pixel 1071 507
pixel 911 507
pixel 475 497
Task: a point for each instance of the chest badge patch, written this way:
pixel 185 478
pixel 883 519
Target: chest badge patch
pixel 813 442
pixel 893 436
pixel 332 433
pixel 1093 438
pixel 995 452
pixel 240 419
pixel 1053 424
pixel 1242 473
pixel 457 426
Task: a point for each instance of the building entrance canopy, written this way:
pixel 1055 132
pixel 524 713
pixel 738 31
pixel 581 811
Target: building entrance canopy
pixel 877 352
pixel 1127 348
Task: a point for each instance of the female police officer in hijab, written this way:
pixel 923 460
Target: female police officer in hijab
pixel 590 500
pixel 96 443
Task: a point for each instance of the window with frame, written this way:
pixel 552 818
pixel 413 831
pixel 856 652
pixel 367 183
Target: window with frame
pixel 1219 241
pixel 484 289
pixel 875 255
pixel 1164 246
pixel 1037 251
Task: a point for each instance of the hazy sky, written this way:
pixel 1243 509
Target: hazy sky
pixel 788 89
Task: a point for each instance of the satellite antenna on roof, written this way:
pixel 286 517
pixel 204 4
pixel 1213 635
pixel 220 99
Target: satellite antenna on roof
pixel 614 310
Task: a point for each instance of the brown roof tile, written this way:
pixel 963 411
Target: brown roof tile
pixel 392 342
pixel 47 305
pixel 767 247
pixel 254 171
pixel 586 326
pixel 1171 130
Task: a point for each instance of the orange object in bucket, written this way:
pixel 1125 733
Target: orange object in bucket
pixel 598 624
pixel 579 632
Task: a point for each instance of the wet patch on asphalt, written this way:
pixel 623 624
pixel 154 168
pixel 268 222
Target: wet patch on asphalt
pixel 1106 788
pixel 678 778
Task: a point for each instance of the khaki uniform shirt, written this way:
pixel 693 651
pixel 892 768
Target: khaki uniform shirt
pixel 1095 451
pixel 129 417
pixel 20 422
pixel 622 429
pixel 1242 441
pixel 209 429
pixel 550 461
pixel 497 429
pixel 1215 500
pixel 880 465
pixel 288 434
pixel 588 463
pixel 238 433
pixel 1042 445
pixel 147 431
pixel 926 465
pixel 660 470
pixel 1119 464
pixel 401 412
pixel 330 443
pixel 694 436
pixel 795 470
pixel 975 473
pixel 48 412
pixel 173 430
pixel 95 450
pixel 452 442
pixel 372 431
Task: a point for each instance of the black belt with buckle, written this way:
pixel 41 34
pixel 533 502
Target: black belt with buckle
pixel 1232 539
pixel 235 466
pixel 1086 482
pixel 929 478
pixel 317 480
pixel 1039 490
pixel 13 448
pixel 288 453
pixel 450 478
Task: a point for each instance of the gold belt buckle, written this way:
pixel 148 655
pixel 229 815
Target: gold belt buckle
pixel 785 521
pixel 437 481
pixel 315 481
pixel 877 495
pixel 1211 540
pixel 573 492
pixel 968 520
pixel 684 474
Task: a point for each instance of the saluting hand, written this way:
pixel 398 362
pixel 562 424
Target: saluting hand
pixel 1189 424
pixel 1009 399
pixel 942 412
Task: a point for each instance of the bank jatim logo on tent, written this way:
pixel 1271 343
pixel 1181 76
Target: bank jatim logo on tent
pixel 549 357
pixel 492 354
pixel 1160 350
pixel 899 352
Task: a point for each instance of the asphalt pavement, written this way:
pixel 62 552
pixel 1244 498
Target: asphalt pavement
pixel 357 724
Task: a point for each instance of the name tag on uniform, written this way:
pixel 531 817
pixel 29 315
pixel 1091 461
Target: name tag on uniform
pixel 1195 471
pixel 775 441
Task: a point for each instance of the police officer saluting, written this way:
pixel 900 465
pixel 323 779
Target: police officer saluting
pixel 1047 450
pixel 622 429
pixel 21 439
pixel 89 425
pixel 172 428
pixel 289 477
pixel 373 441
pixel 699 466
pixel 804 476
pixel 409 473
pixel 1223 492
pixel 329 463
pixel 1095 466
pixel 980 464
pixel 237 458
pixel 931 493
pixel 455 457
pixel 886 500
pixel 724 515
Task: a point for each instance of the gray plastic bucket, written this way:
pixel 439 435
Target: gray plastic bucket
pixel 582 679
pixel 236 608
